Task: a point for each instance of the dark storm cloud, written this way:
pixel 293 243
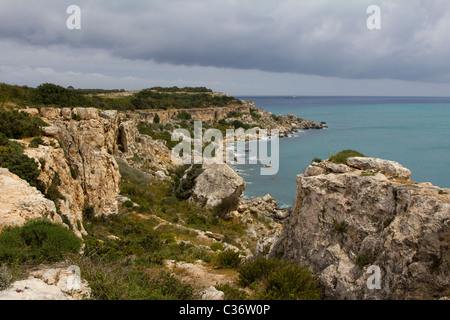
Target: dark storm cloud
pixel 320 37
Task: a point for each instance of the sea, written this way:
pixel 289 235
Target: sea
pixel 414 131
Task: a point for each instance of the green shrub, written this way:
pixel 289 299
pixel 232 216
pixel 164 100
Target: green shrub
pixel 216 246
pixel 74 173
pixel 197 222
pixel 239 124
pixel 183 115
pixel 88 213
pixel 228 259
pixel 231 292
pixel 18 125
pixel 317 160
pixel 128 204
pixel 36 142
pixel 5 277
pixel 184 188
pixel 341 226
pixel 22 166
pixel 362 260
pixel 234 114
pixel 37 241
pixel 278 280
pixel 51 94
pixel 341 157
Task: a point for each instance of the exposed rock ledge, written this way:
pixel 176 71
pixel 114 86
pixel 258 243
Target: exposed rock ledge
pixel 20 202
pixel 347 217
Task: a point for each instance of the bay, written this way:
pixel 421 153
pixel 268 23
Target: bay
pixel 414 131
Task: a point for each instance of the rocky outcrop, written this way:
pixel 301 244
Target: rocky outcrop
pixel 83 157
pixel 56 172
pixel 49 283
pixel 199 114
pixel 346 218
pixel 19 202
pixel 390 169
pixel 218 186
pixel 265 207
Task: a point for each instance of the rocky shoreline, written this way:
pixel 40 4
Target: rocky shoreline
pixel 345 218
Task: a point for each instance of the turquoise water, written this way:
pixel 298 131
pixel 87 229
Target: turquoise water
pixel 412 131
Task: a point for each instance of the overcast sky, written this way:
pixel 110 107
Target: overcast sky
pixel 241 47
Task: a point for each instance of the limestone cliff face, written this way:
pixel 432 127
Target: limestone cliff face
pixel 199 114
pixel 20 202
pixel 77 158
pixel 347 217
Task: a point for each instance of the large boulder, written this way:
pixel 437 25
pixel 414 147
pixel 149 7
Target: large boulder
pixel 218 186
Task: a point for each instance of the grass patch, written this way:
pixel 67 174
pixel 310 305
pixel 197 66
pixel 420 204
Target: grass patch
pixel 368 174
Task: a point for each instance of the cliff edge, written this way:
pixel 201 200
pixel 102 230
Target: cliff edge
pixel 367 212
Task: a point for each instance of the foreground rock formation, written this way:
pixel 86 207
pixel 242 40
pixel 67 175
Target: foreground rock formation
pixel 348 217
pixel 19 202
pixel 218 186
pixel 49 283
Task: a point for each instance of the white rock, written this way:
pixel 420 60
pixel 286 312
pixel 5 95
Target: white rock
pixel 19 202
pixel 213 294
pixel 389 168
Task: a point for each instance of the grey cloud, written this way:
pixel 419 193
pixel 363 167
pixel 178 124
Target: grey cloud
pixel 325 38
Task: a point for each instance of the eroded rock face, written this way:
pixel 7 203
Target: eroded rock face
pixel 341 223
pixel 19 202
pixel 86 144
pixel 218 185
pixel 55 169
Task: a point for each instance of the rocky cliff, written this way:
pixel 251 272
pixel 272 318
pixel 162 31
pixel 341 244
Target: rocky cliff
pixel 77 159
pixel 347 217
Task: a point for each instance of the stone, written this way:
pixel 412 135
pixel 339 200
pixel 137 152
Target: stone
pixel 50 113
pixel 337 168
pixel 215 236
pixel 218 185
pixel 268 198
pixel 49 283
pixel 50 131
pixel 33 289
pixel 213 294
pixel 314 171
pixel 390 169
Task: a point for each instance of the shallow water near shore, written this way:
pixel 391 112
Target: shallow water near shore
pixel 412 131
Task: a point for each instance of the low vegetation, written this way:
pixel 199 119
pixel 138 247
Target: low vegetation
pixel 278 280
pixel 37 241
pixel 341 157
pixel 49 94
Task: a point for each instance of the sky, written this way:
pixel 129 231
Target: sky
pixel 239 47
